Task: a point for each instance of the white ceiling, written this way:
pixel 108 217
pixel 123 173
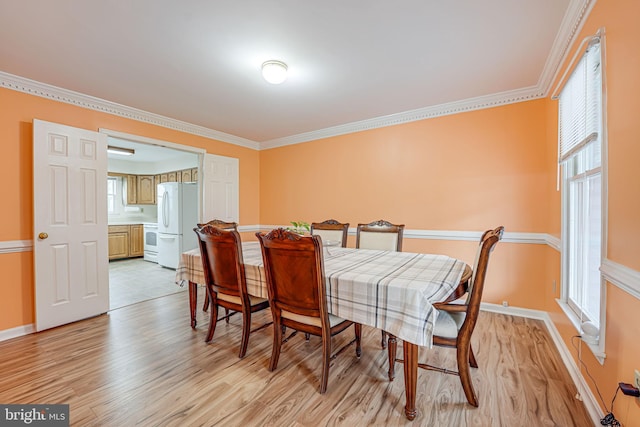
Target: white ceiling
pixel 198 61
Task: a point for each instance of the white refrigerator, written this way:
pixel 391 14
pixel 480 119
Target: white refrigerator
pixel 177 216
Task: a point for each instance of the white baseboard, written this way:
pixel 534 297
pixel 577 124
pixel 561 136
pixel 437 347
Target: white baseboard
pixel 19 331
pixel 588 398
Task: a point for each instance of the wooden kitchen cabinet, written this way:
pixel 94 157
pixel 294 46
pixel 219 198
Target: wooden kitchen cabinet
pixel 186 175
pixel 163 178
pixel 171 177
pixel 126 241
pixel 194 174
pixel 132 189
pixel 146 190
pixel 136 240
pixel 118 241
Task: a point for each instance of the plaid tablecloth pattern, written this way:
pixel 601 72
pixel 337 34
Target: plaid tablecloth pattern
pixel 393 291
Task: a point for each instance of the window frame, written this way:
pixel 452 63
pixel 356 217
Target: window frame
pixel 568 306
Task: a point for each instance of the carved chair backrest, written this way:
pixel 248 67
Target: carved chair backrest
pixel 221 224
pixel 222 262
pixel 331 230
pixel 380 235
pixel 294 269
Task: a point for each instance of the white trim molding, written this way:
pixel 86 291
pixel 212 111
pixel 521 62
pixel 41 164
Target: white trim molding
pixel 43 90
pixel 470 236
pixel 621 276
pixel 13 246
pixel 584 391
pixel 471 104
pixel 19 331
pixel 573 20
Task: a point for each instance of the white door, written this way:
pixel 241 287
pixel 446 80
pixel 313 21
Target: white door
pixel 70 224
pixel 221 188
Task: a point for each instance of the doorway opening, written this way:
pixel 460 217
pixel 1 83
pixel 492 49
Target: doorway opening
pixel 134 173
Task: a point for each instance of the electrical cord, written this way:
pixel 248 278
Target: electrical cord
pixel 609 419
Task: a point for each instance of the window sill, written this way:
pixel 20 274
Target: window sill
pixel 596 349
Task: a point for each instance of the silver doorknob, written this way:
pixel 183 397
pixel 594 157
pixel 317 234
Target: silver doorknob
pixel 42 236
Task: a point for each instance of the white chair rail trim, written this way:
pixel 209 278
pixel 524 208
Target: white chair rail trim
pixel 12 246
pixel 621 276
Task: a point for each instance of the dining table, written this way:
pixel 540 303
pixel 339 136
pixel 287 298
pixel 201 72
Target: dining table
pixel 392 291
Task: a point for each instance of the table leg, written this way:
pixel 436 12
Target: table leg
pixel 410 378
pixel 193 301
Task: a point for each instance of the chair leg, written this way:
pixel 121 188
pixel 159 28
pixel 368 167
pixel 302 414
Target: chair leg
pixel 213 319
pixel 326 355
pixel 383 341
pixel 307 335
pixel 472 357
pixel 358 332
pixel 205 306
pixel 246 331
pixel 465 375
pixel 393 347
pixel 226 315
pixel 278 332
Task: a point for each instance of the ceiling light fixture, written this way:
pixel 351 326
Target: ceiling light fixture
pixel 275 72
pixel 119 150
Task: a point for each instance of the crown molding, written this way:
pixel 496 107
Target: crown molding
pixel 572 23
pixel 471 104
pixel 43 90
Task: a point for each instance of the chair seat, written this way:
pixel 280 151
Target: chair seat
pixel 236 300
pixel 448 324
pixel 309 320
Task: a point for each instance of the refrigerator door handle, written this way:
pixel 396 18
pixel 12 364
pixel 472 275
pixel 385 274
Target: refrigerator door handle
pixel 165 209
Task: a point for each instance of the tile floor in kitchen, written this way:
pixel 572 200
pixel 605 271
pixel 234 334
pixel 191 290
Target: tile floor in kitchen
pixel 134 280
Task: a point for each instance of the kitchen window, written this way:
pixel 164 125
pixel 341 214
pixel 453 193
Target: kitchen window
pixel 112 192
pixel 581 149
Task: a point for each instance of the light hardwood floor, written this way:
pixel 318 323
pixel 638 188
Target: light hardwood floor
pixel 143 365
pixel 134 280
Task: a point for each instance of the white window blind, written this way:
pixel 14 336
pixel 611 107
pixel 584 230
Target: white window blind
pixel 580 104
pixel 580 147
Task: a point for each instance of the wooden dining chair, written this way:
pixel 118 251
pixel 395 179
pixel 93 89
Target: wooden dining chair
pixel 456 321
pixel 225 226
pixel 331 230
pixel 221 253
pixel 221 224
pixel 380 235
pixel 294 269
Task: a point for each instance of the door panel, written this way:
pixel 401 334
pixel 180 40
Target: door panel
pixel 221 188
pixel 70 224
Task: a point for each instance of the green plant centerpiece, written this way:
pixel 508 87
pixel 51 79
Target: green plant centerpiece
pixel 300 227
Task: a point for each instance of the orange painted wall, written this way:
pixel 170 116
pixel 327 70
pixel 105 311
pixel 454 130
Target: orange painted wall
pixel 622 62
pixel 469 171
pixel 430 174
pixel 17 111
